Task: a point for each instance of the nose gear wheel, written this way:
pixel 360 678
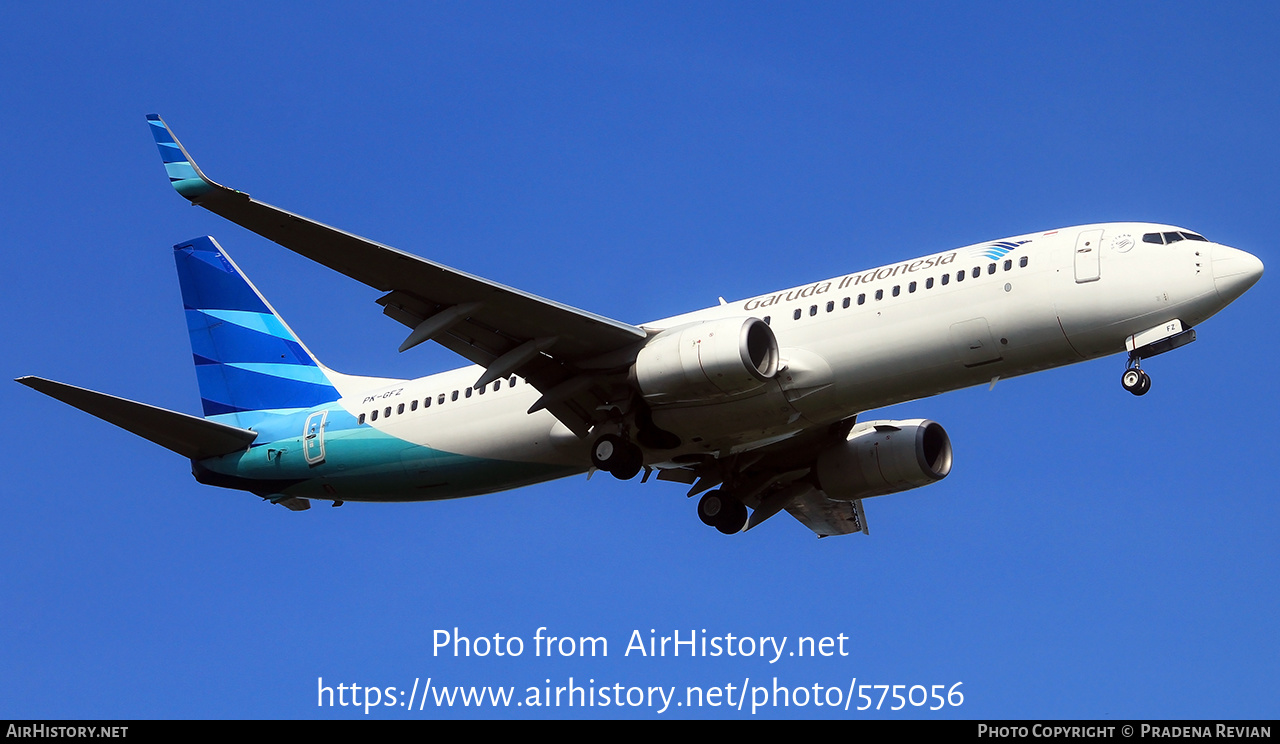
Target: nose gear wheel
pixel 1134 379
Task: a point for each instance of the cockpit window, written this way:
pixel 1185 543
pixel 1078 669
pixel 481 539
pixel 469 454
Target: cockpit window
pixel 1172 237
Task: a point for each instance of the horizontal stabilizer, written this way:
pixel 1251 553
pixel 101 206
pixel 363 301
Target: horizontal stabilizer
pixel 189 436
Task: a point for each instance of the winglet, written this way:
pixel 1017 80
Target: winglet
pixel 184 174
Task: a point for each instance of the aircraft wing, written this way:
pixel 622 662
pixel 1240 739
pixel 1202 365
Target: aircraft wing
pixel 826 517
pixel 503 329
pixel 189 436
pixel 779 477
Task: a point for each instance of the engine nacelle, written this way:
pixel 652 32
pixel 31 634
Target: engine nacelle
pixel 707 361
pixel 880 457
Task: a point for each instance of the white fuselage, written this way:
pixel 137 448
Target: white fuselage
pixel 866 340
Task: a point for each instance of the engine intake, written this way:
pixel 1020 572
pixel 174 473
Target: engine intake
pixel 707 361
pixel 880 457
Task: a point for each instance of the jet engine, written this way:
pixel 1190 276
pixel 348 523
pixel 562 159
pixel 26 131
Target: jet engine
pixel 710 360
pixel 880 457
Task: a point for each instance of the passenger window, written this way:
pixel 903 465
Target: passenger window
pixel 991 268
pixel 879 294
pixel 928 283
pixel 766 320
pixel 959 276
pixel 497 385
pixel 796 316
pixel 387 412
pixel 911 287
pixel 946 279
pixel 468 392
pixel 976 271
pixel 1008 264
pixel 440 400
pixel 374 416
pixel 414 405
pixel 831 306
pixel 813 309
pixel 845 304
pixel 481 389
pixel 400 408
pixel 454 396
pixel 361 419
pixel 512 381
pixel 862 298
pixel 426 402
pixel 896 289
pixel 1022 262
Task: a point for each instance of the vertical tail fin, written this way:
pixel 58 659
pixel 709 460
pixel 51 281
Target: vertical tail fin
pixel 246 358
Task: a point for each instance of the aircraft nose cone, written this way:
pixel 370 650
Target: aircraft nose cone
pixel 1234 271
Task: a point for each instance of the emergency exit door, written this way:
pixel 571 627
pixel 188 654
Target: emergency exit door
pixel 313 437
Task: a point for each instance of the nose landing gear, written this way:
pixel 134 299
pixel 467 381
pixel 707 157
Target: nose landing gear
pixel 1164 337
pixel 1134 379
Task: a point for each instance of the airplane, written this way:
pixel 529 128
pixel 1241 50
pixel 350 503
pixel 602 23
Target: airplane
pixel 753 404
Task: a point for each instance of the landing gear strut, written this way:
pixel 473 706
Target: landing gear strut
pixel 1134 379
pixel 725 513
pixel 620 458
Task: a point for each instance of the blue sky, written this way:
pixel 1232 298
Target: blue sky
pixel 1091 555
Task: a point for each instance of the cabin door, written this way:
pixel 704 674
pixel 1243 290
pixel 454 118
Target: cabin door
pixel 1088 254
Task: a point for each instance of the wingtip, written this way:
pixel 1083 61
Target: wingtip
pixel 184 176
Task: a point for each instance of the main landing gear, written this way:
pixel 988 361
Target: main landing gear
pixel 617 456
pixel 725 513
pixel 1134 379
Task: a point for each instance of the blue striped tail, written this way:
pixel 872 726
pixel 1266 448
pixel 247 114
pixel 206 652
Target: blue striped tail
pixel 246 358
